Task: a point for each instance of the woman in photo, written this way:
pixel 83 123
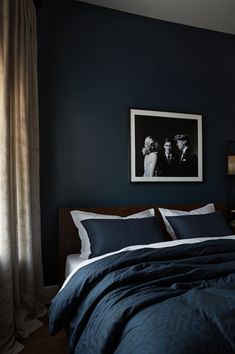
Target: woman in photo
pixel 150 156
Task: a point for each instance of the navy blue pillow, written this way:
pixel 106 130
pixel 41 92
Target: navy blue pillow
pixel 109 235
pixel 203 225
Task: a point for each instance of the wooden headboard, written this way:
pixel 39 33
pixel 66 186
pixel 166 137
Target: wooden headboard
pixel 69 241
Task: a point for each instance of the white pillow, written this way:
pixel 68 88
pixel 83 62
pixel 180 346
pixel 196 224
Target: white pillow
pixel 209 208
pixel 79 215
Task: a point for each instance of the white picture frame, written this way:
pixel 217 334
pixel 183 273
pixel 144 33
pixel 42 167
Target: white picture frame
pixel 165 129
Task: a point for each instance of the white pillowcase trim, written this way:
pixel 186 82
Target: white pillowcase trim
pixel 209 208
pixel 79 215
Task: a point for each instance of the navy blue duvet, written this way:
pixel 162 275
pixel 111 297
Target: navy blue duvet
pixel 174 300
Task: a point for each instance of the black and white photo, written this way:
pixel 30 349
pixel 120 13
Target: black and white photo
pixel 165 146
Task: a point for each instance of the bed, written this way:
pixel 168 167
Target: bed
pixel 173 295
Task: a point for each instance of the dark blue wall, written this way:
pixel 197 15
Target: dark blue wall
pixel 94 65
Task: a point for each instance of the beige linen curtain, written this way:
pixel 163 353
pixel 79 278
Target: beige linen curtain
pixel 21 280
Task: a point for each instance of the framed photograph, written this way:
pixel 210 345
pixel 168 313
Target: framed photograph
pixel 165 146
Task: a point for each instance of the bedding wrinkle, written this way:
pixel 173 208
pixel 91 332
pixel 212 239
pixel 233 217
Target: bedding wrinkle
pixel 216 324
pixel 111 296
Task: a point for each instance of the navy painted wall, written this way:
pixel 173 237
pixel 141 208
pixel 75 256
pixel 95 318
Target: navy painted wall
pixel 94 65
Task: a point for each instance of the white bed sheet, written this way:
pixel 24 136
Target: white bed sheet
pixel 83 262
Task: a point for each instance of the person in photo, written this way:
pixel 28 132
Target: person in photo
pixel 187 164
pixel 150 156
pixel 167 160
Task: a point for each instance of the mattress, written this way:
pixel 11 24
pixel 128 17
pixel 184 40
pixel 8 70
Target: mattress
pixel 72 261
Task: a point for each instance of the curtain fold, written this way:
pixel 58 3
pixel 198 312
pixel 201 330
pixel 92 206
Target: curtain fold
pixel 21 281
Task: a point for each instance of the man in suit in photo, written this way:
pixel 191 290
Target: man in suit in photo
pixel 167 161
pixel 187 164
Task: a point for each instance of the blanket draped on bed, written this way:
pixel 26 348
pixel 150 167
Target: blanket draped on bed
pixel 172 300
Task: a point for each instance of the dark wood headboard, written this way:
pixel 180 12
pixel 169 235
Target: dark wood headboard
pixel 69 241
